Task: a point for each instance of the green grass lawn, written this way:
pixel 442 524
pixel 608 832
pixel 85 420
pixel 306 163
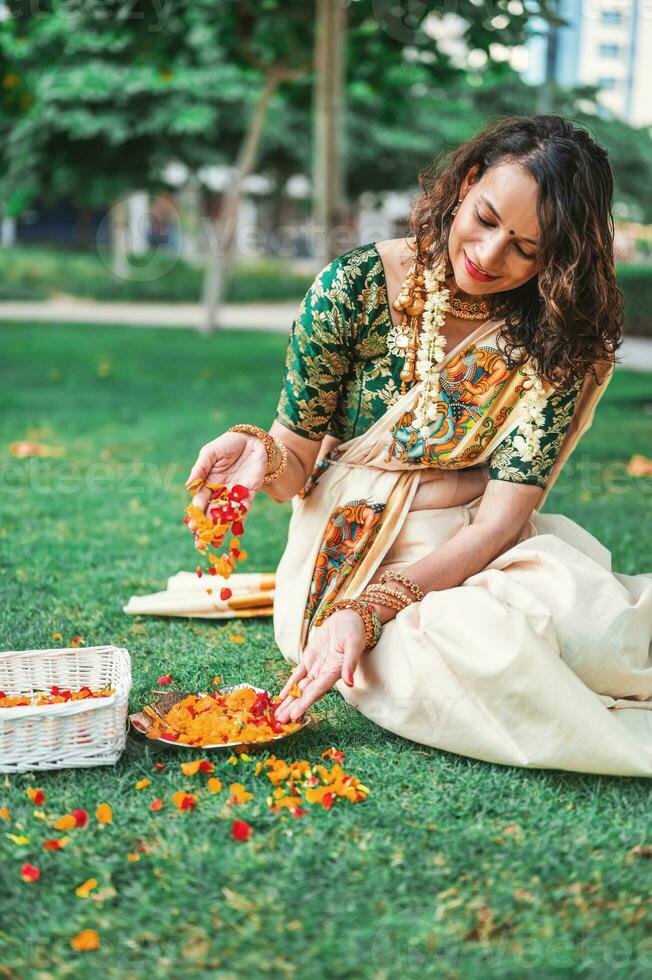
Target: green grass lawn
pixel 449 868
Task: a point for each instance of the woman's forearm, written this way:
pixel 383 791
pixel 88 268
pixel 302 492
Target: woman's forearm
pixel 289 482
pixel 466 553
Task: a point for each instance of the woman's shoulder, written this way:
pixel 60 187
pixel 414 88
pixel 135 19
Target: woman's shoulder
pixel 357 265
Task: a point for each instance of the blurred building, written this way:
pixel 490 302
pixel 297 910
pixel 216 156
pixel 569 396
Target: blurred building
pixel 607 43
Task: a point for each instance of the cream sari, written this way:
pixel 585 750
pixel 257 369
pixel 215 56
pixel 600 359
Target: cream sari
pixel 541 659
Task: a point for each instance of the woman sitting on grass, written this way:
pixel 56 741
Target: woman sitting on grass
pixel 435 386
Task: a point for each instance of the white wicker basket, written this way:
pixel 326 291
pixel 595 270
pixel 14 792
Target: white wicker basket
pixel 74 734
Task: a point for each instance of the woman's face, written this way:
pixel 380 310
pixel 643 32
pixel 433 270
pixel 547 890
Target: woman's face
pixel 495 230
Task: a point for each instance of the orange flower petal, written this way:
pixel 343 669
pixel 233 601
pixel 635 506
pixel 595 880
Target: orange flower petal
pixel 4 814
pixel 214 784
pixel 67 822
pixel 85 941
pixel 142 784
pixel 190 768
pixel 104 813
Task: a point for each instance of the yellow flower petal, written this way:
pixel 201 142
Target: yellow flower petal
pixel 142 784
pixel 86 887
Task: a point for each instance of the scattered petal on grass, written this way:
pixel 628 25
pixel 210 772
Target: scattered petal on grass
pixel 77 641
pixel 217 680
pixel 334 754
pixel 164 680
pixel 85 941
pixel 36 795
pixel 239 794
pixel 133 857
pixel 39 814
pixel 184 801
pixel 4 814
pixel 206 767
pixel 80 817
pixel 160 766
pixel 67 822
pixel 20 840
pixel 214 784
pixel 241 830
pixel 56 843
pixel 104 813
pixel 236 638
pixel 56 636
pixel 30 873
pixel 189 768
pixel 142 784
pixel 86 887
pixel 156 805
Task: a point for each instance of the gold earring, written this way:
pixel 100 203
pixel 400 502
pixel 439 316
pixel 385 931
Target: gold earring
pixel 456 208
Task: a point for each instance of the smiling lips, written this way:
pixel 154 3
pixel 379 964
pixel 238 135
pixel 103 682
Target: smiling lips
pixel 474 272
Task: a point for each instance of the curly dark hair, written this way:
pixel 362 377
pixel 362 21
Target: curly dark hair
pixel 570 315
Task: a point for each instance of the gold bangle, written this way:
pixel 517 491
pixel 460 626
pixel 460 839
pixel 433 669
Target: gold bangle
pixel 393 598
pixel 369 616
pixel 388 576
pixel 271 445
pixel 283 453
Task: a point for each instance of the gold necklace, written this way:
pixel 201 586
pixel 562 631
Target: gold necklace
pixel 469 309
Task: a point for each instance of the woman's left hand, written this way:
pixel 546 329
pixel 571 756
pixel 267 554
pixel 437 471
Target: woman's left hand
pixel 333 652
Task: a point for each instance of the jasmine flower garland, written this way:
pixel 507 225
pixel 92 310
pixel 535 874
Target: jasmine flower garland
pixel 431 348
pixel 527 443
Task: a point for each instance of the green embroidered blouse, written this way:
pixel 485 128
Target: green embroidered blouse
pixel 340 377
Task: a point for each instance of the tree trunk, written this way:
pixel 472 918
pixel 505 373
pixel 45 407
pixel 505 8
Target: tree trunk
pixel 223 232
pixel 328 168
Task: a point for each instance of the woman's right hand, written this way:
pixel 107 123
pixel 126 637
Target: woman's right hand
pixel 233 458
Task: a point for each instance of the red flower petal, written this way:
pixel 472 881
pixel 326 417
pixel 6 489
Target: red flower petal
pixel 30 873
pixel 225 594
pixel 237 528
pixel 80 816
pixel 239 492
pixel 164 679
pixel 327 800
pixel 241 830
pixel 156 805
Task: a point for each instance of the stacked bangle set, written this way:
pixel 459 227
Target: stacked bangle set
pixel 273 447
pixel 381 594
